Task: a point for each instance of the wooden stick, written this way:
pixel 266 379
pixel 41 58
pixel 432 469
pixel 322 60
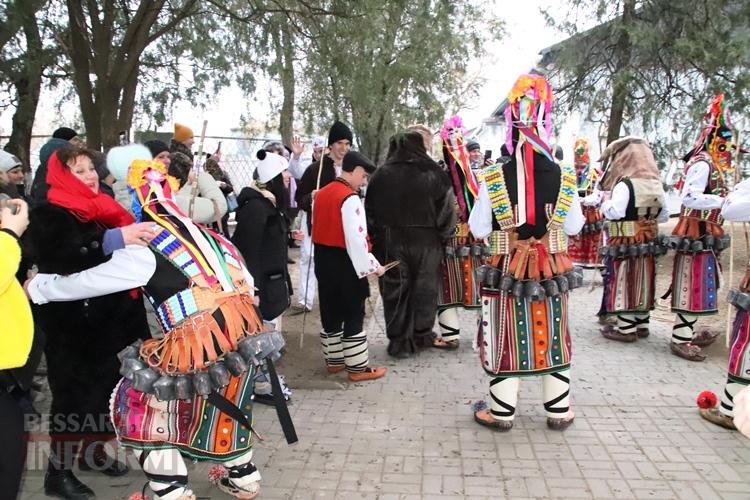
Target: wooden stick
pixel 307 279
pixel 194 191
pixel 391 265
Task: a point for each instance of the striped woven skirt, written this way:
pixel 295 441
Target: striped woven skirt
pixel 458 285
pixel 695 283
pixel 198 429
pixel 520 337
pixel 583 249
pixel 629 286
pixel 739 350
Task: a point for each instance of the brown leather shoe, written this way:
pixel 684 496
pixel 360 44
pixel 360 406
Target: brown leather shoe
pixel 370 373
pixel 485 418
pixel 560 424
pixel 612 333
pixel 714 416
pixel 704 338
pixel 687 351
pixel 335 368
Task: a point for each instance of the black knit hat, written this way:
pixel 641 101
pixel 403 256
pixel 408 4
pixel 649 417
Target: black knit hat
pixel 354 159
pixel 339 132
pixel 472 146
pixel 64 133
pixel 156 147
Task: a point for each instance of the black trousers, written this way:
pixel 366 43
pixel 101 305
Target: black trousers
pixel 341 292
pixel 410 291
pixel 13 446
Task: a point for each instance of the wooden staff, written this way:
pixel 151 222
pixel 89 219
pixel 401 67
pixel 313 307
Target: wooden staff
pixel 309 260
pixel 196 164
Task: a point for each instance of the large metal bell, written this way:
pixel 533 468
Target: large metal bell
pixel 202 384
pixel 235 363
pixel 130 365
pixel 164 388
pixel 183 387
pixel 144 379
pixel 219 374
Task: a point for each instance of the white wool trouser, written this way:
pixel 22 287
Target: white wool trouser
pixel 450 326
pixel 555 390
pixel 726 406
pixel 307 282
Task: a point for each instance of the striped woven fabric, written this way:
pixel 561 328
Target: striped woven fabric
pixel 739 350
pixel 695 283
pixel 458 285
pixel 630 285
pixel 198 429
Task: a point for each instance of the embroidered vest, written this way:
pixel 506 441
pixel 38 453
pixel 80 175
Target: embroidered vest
pixel 716 185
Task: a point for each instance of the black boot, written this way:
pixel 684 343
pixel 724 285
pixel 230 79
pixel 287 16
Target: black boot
pixel 94 457
pixel 61 483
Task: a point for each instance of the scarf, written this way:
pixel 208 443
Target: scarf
pixel 68 192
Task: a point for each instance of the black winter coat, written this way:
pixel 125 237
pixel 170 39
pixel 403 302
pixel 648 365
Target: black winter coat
pixel 261 238
pixel 309 183
pixel 83 336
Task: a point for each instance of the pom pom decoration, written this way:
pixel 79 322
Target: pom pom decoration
pixel 479 405
pixel 217 473
pixel 138 496
pixel 261 154
pixel 706 400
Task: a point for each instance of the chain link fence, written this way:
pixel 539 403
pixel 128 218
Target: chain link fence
pixel 237 153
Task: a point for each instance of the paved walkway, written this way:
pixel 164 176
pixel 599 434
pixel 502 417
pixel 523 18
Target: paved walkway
pixel 637 432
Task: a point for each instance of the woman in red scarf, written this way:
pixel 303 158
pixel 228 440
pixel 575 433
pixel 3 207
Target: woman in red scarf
pixel 77 229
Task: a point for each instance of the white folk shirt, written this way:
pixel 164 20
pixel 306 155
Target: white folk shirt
pixel 737 204
pixel 355 234
pixel 617 205
pixel 693 195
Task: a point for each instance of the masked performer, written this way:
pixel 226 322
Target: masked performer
pixel 527 206
pixel 635 207
pixel 410 210
pixel 736 208
pixel 342 263
pixel 698 237
pixel 458 287
pixel 583 248
pixel 187 394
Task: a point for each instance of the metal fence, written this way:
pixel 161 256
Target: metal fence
pixel 238 154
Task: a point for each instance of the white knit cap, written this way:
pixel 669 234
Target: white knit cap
pixel 270 165
pixel 8 161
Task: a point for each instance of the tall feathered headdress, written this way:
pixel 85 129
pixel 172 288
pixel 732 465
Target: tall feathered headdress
pixel 456 157
pixel 529 114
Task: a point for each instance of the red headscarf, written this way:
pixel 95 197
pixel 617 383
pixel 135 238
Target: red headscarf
pixel 68 192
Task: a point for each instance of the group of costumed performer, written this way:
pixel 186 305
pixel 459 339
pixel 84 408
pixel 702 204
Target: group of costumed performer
pixel 188 393
pixel 583 248
pixel 634 207
pixel 463 253
pixel 528 205
pixel 698 237
pixel 343 261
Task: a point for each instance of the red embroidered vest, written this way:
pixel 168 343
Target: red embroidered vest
pixel 327 224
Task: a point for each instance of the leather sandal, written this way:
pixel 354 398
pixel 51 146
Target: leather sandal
pixel 369 373
pixel 560 424
pixel 485 418
pixel 335 368
pixel 613 334
pixel 449 345
pixel 714 416
pixel 226 485
pixel 687 351
pixel 642 333
pixel 704 338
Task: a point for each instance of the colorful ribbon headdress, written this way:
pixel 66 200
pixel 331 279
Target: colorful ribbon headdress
pixel 529 113
pixel 456 156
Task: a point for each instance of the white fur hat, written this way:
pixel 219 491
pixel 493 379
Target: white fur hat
pixel 120 158
pixel 270 165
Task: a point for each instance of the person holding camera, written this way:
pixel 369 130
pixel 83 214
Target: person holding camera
pixel 17 327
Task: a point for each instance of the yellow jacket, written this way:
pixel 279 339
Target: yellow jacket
pixel 16 323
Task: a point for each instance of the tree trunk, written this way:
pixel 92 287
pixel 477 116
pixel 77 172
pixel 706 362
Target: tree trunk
pixel 619 76
pixel 286 74
pixel 27 86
